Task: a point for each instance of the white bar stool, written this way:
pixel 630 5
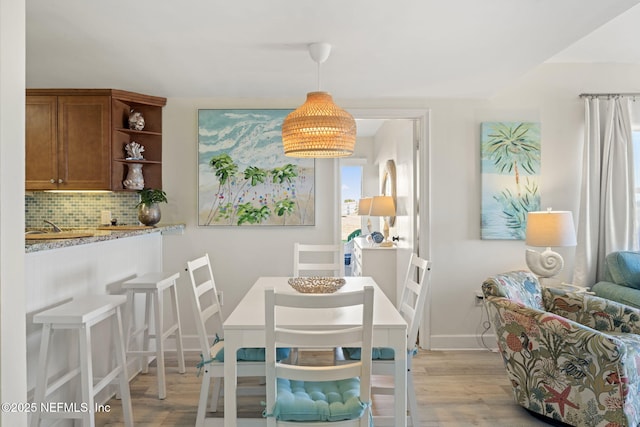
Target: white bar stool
pixel 80 315
pixel 153 286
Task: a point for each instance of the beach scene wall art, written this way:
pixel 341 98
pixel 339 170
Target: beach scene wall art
pixel 510 174
pixel 244 178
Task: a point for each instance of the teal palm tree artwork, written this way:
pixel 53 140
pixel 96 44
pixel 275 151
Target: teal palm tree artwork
pixel 510 177
pixel 244 178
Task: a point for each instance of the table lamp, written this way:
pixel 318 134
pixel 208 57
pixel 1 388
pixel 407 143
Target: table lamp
pixel 383 206
pixel 364 206
pixel 546 229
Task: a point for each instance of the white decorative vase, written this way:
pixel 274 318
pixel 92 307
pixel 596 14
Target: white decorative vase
pixel 135 180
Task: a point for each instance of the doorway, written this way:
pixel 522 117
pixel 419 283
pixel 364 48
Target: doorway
pixel 412 158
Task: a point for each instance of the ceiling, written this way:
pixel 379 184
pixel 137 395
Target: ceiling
pixel 258 49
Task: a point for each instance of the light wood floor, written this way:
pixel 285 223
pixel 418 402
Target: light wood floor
pixel 454 388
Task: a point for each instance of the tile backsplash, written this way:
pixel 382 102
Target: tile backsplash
pixel 79 209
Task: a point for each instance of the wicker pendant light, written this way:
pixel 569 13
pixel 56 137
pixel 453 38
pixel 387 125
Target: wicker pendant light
pixel 319 128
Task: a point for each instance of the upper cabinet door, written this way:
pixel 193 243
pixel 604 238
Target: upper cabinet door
pixel 84 142
pixel 41 150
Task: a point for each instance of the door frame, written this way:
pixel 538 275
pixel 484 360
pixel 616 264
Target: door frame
pixel 422 183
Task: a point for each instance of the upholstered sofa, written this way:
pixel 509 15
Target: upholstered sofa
pixel 621 278
pixel 572 357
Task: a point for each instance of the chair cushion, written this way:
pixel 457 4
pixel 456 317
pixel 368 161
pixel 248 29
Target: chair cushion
pixel 246 354
pixel 623 294
pixel 318 400
pixel 623 268
pixel 377 353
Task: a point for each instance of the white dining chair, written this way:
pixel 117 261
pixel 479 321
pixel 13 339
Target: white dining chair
pixel 318 260
pixel 207 310
pixel 297 394
pixel 411 307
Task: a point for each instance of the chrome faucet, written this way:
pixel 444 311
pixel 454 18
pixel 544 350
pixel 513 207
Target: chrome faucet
pixel 56 229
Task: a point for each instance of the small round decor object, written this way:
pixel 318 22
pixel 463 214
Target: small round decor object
pixel 149 214
pixel 136 120
pixel 316 284
pixel 377 237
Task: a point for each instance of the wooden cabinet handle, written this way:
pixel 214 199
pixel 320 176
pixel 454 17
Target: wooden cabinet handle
pixel 53 181
pixel 60 181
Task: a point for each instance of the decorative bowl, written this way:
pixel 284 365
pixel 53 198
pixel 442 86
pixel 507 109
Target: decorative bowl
pixel 316 284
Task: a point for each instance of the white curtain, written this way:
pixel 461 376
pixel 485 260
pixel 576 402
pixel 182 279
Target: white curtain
pixel 607 217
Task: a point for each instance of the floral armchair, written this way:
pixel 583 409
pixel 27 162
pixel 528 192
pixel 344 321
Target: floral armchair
pixel 573 357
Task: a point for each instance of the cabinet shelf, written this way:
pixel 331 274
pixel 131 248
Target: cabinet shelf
pixel 141 161
pixel 138 132
pixel 150 138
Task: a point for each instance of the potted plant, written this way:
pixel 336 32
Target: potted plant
pixel 148 207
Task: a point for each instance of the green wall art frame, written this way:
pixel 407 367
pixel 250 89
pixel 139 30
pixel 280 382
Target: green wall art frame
pixel 510 156
pixel 244 178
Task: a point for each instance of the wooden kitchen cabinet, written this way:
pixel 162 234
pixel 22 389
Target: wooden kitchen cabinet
pixel 377 262
pixel 75 138
pixel 67 138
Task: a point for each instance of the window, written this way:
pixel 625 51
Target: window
pixel 350 194
pixel 636 166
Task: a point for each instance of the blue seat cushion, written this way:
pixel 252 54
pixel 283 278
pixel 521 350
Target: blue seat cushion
pixel 623 268
pixel 318 400
pixel 247 354
pixel 377 353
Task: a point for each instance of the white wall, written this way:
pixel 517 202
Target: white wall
pixel 13 371
pixel 239 254
pixel 461 260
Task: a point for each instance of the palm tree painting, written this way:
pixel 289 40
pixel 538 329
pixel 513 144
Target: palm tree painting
pixel 510 177
pixel 244 178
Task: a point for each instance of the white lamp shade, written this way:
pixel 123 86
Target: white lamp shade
pixel 364 206
pixel 382 206
pixel 550 228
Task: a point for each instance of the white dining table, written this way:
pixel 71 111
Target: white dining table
pixel 245 328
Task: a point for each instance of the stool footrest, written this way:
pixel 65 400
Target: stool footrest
pixel 170 331
pixel 142 353
pixel 106 380
pixel 61 381
pixel 137 332
pixel 61 415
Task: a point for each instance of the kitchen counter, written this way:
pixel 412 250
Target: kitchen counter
pixel 56 271
pixel 99 235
